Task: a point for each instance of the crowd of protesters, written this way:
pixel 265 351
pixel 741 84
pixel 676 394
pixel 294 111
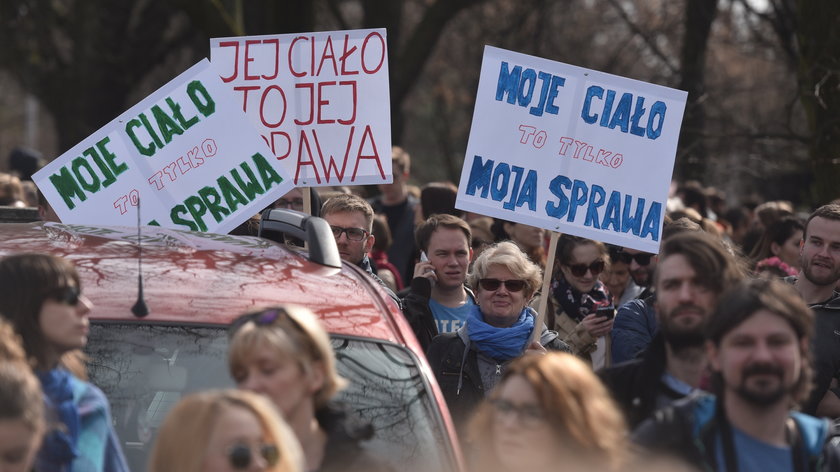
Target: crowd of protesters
pixel 722 351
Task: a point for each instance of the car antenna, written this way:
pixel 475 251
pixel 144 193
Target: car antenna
pixel 139 309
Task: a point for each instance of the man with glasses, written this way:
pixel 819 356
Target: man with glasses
pixel 693 271
pixel 351 220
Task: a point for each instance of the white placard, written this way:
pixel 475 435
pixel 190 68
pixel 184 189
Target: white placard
pixel 571 150
pixel 320 100
pixel 187 152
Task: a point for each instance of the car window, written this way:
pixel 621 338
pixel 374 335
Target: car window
pixel 145 369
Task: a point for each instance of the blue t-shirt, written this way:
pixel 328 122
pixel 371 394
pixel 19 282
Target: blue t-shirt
pixel 450 319
pixel 756 455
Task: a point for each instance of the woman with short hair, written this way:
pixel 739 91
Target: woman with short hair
pixel 470 361
pixel 225 431
pixel 285 354
pixel 41 296
pixel 548 413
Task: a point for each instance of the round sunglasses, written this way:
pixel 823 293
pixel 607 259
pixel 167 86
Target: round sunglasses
pixel 241 455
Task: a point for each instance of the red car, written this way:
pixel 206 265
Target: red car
pixel 195 284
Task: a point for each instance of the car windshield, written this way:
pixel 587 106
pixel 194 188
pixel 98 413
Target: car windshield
pixel 145 369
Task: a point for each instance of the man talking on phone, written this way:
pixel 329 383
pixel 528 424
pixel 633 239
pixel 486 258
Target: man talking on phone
pixel 438 301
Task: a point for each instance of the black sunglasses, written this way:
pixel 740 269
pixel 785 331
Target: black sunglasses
pixel 353 234
pixel 579 270
pixel 240 455
pixel 491 285
pixel 641 258
pixel 68 295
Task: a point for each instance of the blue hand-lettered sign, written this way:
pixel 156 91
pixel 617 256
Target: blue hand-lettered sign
pixel 571 149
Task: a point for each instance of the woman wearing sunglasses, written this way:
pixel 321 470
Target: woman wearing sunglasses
pixel 547 412
pixel 41 296
pixel 225 431
pixel 469 362
pixel 576 296
pixel 285 354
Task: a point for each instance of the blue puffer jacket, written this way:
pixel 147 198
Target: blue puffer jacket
pixel 689 428
pixel 633 329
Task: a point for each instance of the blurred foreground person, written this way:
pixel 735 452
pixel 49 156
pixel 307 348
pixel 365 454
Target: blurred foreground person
pixel 22 421
pixel 41 296
pixel 547 412
pixel 758 348
pixel 469 362
pixel 285 354
pixel 225 431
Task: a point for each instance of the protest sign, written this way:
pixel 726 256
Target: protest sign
pixel 571 149
pixel 319 100
pixel 187 151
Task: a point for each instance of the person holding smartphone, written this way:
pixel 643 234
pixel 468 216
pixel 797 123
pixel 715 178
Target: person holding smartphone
pixel 579 307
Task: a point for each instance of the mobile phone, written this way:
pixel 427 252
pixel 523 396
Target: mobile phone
pixel 423 257
pixel 607 312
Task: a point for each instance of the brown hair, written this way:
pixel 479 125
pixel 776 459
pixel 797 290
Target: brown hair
pixel 575 403
pixel 742 300
pixel 829 212
pixel 400 160
pixel 715 268
pixel 26 280
pixel 423 232
pixel 20 391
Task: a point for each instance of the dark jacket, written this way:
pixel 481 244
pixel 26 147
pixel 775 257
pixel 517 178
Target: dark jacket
pixel 402 251
pixel 456 367
pixel 416 309
pixel 635 385
pixel 634 327
pixel 344 451
pixel 826 348
pixel 690 429
pixel 365 266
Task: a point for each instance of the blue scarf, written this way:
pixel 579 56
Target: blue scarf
pixel 59 445
pixel 502 344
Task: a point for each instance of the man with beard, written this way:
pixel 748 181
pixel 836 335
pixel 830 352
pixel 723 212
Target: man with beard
pixel 694 268
pixel 758 349
pixel 635 324
pixel 819 254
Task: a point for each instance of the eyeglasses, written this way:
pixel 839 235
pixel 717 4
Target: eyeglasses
pixel 579 270
pixel 294 203
pixel 642 258
pixel 241 455
pixel 353 234
pixel 68 295
pixel 491 285
pixel 527 414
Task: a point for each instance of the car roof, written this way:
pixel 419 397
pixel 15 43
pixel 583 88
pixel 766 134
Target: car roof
pixel 205 278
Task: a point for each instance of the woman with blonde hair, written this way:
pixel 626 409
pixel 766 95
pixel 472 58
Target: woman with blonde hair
pixel 548 411
pixel 285 354
pixel 470 361
pixel 225 431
